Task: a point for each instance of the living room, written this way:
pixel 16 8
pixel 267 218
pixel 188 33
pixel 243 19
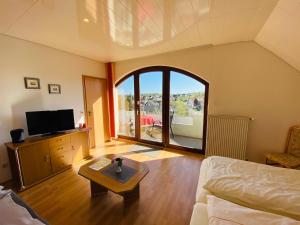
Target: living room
pixel 146 92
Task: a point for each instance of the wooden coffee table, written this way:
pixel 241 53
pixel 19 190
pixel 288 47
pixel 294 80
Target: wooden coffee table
pixel 101 183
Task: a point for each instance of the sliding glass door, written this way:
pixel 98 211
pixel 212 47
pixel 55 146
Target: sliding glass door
pixel 125 107
pixel 186 113
pixel 164 106
pixel 151 105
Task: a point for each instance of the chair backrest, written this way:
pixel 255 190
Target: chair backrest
pixel 293 141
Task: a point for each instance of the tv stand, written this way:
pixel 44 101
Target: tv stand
pixel 53 133
pixel 41 157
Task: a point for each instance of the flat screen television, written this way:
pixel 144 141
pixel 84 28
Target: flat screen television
pixel 50 122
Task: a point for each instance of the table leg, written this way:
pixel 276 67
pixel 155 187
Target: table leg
pixel 97 189
pixel 132 195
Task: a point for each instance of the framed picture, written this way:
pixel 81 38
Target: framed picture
pixel 32 83
pixel 54 88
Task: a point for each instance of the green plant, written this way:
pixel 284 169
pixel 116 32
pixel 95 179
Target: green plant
pixel 181 108
pixel 129 101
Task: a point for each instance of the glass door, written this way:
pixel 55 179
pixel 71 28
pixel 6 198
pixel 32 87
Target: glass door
pixel 164 106
pixel 150 106
pixel 125 105
pixel 186 111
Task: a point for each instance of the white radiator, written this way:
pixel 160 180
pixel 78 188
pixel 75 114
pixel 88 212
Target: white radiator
pixel 227 136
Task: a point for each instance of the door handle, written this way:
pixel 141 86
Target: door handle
pixel 47 158
pixel 89 113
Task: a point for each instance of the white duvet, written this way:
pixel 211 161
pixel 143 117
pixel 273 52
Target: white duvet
pixel 222 212
pixel 254 185
pixel 13 214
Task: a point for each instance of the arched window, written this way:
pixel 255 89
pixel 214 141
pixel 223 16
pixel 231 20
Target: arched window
pixel 164 106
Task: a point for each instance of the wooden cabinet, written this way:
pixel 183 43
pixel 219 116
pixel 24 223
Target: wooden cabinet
pixel 60 151
pixel 80 148
pixel 59 141
pixel 41 157
pixel 35 162
pixel 61 161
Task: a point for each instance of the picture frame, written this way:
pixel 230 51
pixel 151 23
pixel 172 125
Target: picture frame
pixel 54 88
pixel 32 83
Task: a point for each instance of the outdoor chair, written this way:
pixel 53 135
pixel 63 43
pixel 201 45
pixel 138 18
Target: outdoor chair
pixel 157 125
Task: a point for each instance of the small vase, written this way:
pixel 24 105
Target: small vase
pixel 119 169
pixel 119 163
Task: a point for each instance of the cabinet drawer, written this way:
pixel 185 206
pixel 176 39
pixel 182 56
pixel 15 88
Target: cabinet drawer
pixel 59 141
pixel 60 161
pixel 57 149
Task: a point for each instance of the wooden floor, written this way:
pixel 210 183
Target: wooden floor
pixel 167 193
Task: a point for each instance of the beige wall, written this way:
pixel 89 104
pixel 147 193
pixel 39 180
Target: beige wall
pixel 19 59
pixel 245 79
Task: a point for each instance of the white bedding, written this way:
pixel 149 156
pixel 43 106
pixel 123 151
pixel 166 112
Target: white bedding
pixel 13 214
pixel 222 212
pixel 201 192
pixel 254 185
pixel 199 216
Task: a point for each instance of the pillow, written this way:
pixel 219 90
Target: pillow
pixel 3 192
pixel 254 185
pixel 11 213
pixel 222 212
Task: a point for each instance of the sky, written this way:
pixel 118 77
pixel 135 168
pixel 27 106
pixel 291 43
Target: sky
pixel 151 82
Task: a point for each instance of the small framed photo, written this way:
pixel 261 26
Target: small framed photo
pixel 54 88
pixel 32 83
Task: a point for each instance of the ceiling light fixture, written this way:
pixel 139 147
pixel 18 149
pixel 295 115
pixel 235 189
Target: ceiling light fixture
pixel 86 20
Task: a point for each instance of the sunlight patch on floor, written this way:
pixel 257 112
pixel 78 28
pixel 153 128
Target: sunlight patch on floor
pixel 133 151
pixel 152 155
pixel 114 147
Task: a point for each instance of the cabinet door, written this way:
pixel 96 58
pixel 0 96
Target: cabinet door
pixel 80 146
pixel 35 162
pixel 61 160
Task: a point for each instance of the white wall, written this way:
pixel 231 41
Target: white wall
pixel 245 79
pixel 20 58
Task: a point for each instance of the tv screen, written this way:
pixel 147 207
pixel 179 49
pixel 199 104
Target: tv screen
pixel 43 122
pixel 65 119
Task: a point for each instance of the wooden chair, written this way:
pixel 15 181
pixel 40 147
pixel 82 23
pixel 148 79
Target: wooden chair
pixel 291 157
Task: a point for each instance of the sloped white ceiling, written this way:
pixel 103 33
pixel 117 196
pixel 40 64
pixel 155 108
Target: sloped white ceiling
pixel 113 30
pixel 281 32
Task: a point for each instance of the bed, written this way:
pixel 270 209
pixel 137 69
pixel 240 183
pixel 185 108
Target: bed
pixel 233 190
